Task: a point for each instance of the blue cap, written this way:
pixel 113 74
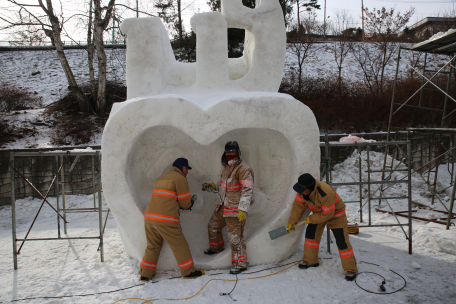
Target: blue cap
pixel 180 162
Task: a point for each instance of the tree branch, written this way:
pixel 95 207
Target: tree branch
pixel 132 9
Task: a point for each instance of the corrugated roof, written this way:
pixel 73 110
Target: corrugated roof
pixel 445 44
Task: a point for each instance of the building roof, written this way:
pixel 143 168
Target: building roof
pixel 432 19
pixel 444 44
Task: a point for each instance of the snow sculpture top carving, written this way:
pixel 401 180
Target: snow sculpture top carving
pixel 152 68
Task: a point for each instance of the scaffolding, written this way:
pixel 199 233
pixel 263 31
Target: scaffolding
pixel 372 183
pixel 58 182
pixel 432 150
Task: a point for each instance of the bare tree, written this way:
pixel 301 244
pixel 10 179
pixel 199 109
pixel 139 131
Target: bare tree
pixel 42 14
pixel 102 17
pixel 304 43
pixel 342 45
pixel 308 5
pixel 369 58
pixel 382 28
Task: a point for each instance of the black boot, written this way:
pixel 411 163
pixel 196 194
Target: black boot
pixel 210 252
pixel 237 270
pixel 144 279
pixel 350 275
pixel 195 274
pixel 305 265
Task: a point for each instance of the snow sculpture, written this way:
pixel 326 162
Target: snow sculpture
pixel 191 110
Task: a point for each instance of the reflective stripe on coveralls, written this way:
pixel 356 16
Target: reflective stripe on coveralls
pixel 324 209
pixel 172 194
pixel 215 244
pixel 339 214
pixel 148 264
pixel 186 264
pixel 162 218
pixel 229 187
pixel 242 183
pixel 230 210
pixel 346 253
pixel 241 258
pixel 312 244
pixel 166 218
pixel 247 183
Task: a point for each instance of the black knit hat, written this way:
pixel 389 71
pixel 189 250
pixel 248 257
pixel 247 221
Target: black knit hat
pixel 230 147
pixel 305 181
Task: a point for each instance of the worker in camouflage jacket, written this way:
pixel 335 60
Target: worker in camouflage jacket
pixel 161 219
pixel 235 189
pixel 327 208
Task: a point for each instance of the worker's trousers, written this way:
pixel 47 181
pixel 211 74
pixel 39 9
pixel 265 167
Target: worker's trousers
pixel 340 231
pixel 174 237
pixel 235 229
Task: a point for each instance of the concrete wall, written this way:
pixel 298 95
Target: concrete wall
pixel 40 171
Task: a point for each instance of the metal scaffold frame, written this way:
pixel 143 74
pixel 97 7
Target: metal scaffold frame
pixel 59 184
pixel 370 193
pixel 442 45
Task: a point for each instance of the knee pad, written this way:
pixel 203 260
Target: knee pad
pixel 340 238
pixel 310 231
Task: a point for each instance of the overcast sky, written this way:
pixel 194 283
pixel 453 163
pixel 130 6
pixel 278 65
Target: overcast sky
pixel 423 8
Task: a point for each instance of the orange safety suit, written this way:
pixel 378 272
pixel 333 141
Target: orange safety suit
pixel 170 192
pixel 327 208
pixel 236 189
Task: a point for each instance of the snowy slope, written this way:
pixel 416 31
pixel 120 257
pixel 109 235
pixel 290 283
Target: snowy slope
pixel 63 268
pixel 50 84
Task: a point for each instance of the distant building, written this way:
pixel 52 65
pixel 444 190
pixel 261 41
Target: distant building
pixel 430 26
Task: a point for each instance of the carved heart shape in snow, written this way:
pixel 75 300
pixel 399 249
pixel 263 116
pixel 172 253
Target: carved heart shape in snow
pixel 279 139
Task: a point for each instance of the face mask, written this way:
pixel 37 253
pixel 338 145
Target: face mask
pixel 230 157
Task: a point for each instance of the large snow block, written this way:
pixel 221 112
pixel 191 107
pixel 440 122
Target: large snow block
pixel 191 110
pixel 278 136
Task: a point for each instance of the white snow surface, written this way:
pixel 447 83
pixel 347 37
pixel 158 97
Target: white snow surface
pixel 73 267
pixel 439 34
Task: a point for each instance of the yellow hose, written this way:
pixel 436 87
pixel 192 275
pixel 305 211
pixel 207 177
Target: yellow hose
pixel 150 301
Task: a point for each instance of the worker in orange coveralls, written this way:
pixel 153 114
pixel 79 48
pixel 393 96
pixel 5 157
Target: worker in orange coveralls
pixel 327 208
pixel 161 219
pixel 236 189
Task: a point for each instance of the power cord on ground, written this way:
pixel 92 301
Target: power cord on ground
pixel 215 274
pixel 382 285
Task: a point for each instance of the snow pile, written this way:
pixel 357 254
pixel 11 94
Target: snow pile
pixel 351 138
pixel 439 34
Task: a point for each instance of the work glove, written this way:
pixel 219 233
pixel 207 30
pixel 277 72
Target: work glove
pixel 192 200
pixel 241 215
pixel 207 186
pixel 290 228
pixel 307 219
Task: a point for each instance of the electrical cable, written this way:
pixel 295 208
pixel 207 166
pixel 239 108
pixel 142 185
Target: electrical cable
pixel 382 287
pixel 215 274
pixel 227 280
pixel 153 282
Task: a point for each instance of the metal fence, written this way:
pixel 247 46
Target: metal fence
pixel 61 158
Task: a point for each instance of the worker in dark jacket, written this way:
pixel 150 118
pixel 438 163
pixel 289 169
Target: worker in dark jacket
pixel 161 219
pixel 327 208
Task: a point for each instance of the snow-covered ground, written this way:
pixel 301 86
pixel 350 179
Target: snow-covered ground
pixel 73 267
